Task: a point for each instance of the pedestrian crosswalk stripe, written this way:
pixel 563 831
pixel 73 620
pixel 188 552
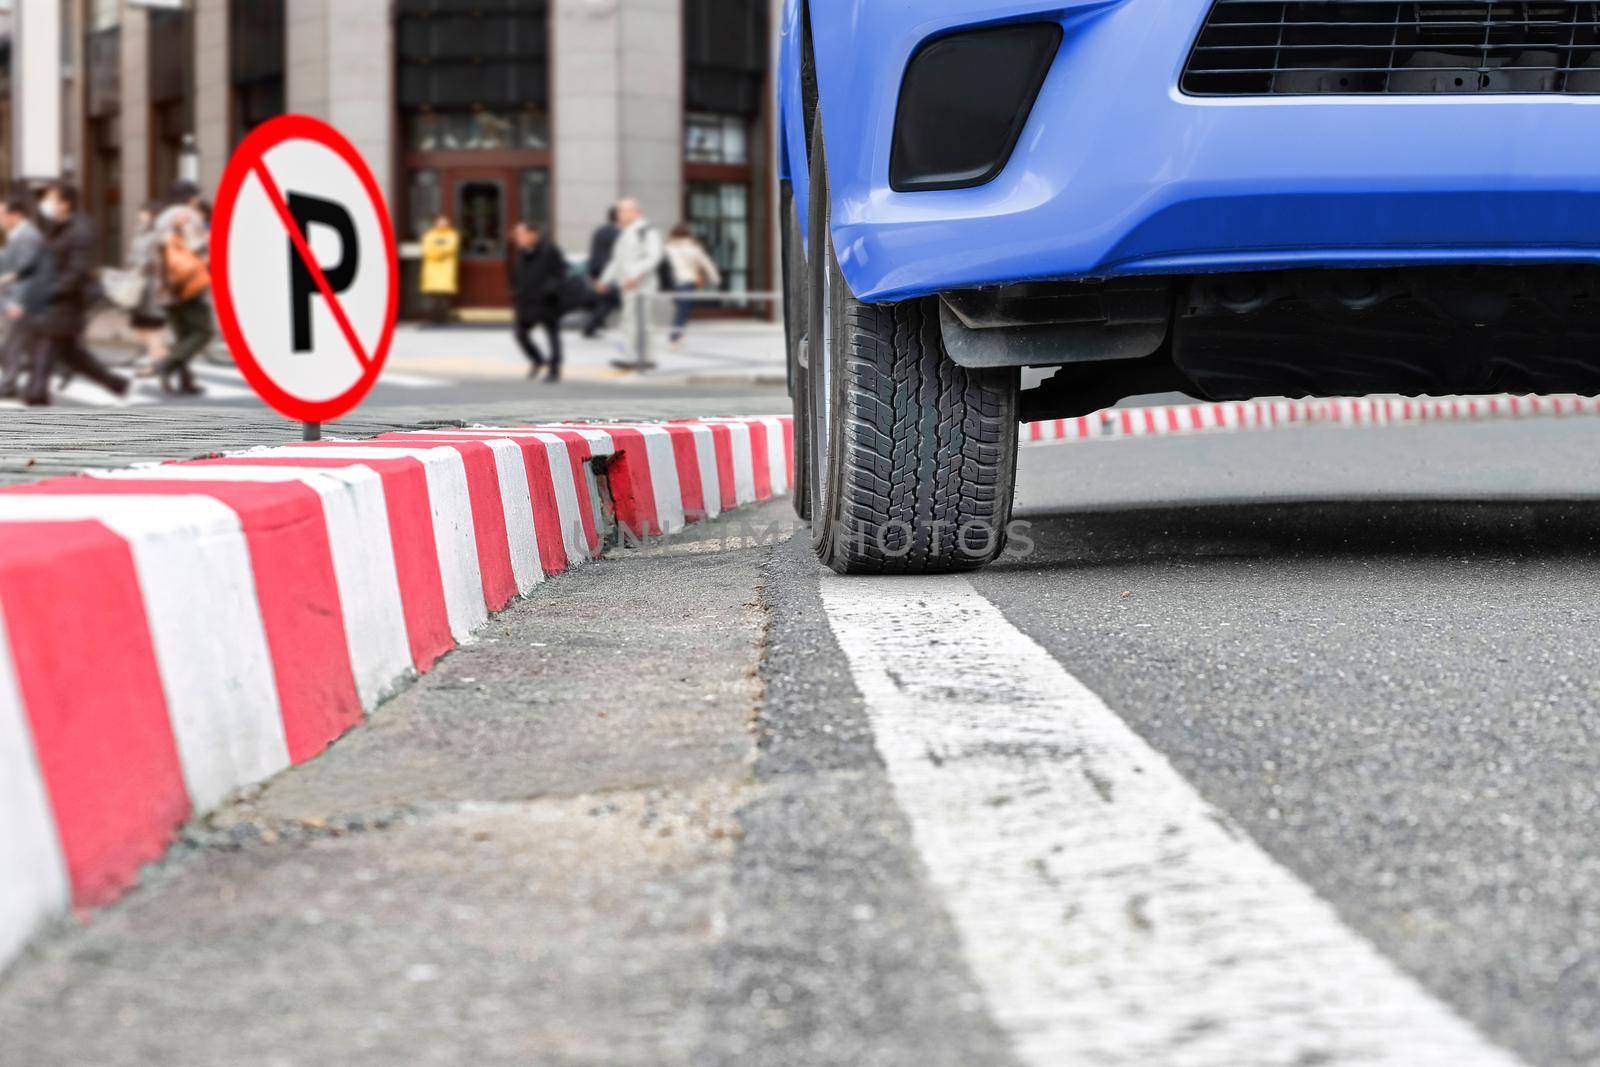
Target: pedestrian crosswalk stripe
pixel 220 383
pixel 407 381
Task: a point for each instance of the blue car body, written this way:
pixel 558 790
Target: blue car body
pixel 1118 172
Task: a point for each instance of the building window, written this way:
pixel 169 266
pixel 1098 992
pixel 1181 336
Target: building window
pixel 478 131
pixel 726 56
pixel 462 55
pixel 426 200
pixel 172 144
pixel 717 139
pixel 102 150
pixel 719 214
pixel 534 198
pixel 480 208
pixel 726 94
pixel 256 46
pixel 103 61
pixel 105 183
pixel 104 15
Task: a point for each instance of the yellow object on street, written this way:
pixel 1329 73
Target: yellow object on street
pixel 441 259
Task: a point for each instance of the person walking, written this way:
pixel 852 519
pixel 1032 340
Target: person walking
pixel 538 275
pixel 19 260
pixel 693 269
pixel 601 246
pixel 634 271
pixel 441 268
pixel 182 241
pixel 187 211
pixel 148 318
pixel 56 305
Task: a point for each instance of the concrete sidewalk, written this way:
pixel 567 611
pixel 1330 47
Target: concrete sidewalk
pixel 173 633
pixel 719 352
pixel 39 443
pixel 527 857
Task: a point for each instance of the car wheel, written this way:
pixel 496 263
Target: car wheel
pixel 913 458
pixel 796 311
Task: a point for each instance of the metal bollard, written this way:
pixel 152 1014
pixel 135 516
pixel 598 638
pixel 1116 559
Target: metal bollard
pixel 641 332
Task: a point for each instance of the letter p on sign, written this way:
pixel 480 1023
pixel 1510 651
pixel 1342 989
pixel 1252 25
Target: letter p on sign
pixel 303 257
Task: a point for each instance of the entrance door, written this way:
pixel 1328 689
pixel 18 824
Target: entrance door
pixel 478 199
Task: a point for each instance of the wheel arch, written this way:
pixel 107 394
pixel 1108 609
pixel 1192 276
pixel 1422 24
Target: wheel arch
pixel 797 102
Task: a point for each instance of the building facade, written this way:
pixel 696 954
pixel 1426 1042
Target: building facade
pixel 488 111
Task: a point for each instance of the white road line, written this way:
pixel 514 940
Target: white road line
pixel 219 382
pixel 410 381
pixel 1110 914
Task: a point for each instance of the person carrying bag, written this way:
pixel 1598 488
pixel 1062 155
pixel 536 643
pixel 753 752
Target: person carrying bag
pixel 187 280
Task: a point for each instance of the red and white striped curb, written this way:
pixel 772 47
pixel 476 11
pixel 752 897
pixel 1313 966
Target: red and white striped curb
pixel 1279 414
pixel 172 633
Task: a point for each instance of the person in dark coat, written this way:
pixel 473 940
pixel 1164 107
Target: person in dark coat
pixel 19 267
pixel 55 311
pixel 601 245
pixel 538 277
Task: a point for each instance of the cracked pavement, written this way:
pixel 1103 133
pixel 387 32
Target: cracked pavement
pixel 530 848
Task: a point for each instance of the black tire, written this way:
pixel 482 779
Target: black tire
pixel 796 311
pixel 913 458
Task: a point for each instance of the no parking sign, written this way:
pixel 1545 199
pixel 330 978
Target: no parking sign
pixel 303 260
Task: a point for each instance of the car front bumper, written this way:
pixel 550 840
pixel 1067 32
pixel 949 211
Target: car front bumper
pixel 1118 173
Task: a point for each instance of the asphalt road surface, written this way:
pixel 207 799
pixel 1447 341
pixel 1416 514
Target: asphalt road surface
pixel 1271 748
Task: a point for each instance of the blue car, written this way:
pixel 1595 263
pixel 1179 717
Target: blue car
pixel 1225 198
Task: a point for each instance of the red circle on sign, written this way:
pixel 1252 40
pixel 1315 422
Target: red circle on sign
pixel 244 163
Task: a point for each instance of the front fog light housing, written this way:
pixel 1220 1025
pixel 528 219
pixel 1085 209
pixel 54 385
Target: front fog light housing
pixel 964 102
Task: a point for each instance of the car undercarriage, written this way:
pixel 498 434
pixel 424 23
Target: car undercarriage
pixel 1413 331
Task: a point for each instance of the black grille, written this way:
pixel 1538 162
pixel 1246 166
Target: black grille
pixel 1308 47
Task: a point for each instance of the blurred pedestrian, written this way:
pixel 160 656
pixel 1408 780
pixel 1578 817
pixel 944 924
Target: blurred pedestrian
pixel 538 274
pixel 635 268
pixel 693 269
pixel 185 210
pixel 19 260
pixel 148 317
pixel 54 312
pixel 601 245
pixel 182 241
pixel 441 268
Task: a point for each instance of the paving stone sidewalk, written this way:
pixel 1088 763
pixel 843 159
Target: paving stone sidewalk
pixel 47 442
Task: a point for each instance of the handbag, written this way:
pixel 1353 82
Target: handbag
pixel 124 288
pixel 574 294
pixel 187 275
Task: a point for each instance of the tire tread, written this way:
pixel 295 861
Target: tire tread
pixel 929 448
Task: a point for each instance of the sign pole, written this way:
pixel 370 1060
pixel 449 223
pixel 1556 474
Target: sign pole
pixel 312 431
